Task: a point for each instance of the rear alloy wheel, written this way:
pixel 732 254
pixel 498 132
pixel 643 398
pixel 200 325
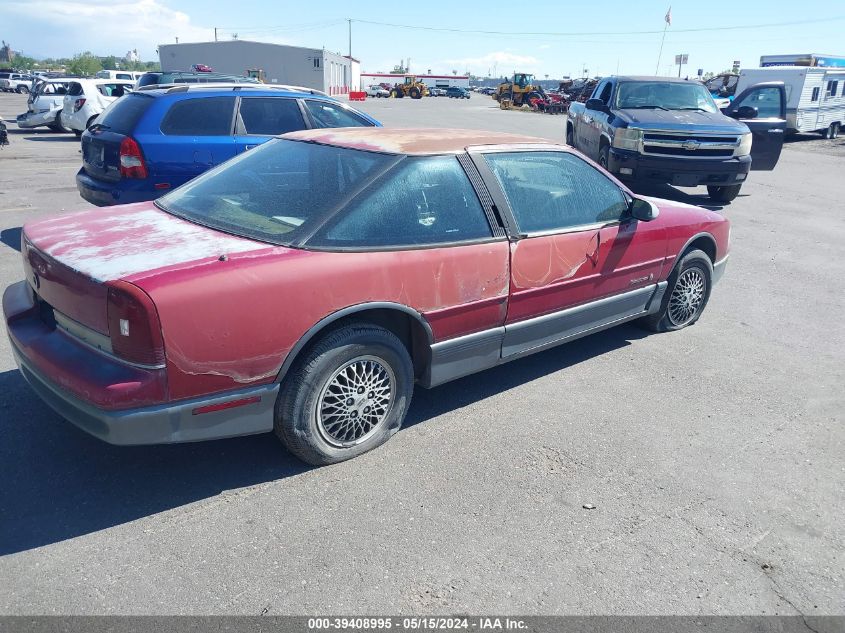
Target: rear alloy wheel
pixel 724 193
pixel 23 90
pixel 686 294
pixel 348 395
pixel 832 131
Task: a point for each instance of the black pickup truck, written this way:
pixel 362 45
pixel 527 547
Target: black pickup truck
pixel 670 131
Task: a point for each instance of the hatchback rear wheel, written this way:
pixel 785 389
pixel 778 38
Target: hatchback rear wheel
pixel 348 395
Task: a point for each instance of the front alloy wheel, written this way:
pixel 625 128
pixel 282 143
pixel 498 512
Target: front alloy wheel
pixel 687 297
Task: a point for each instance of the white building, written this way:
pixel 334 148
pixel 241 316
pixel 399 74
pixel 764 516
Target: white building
pixel 432 81
pixel 293 65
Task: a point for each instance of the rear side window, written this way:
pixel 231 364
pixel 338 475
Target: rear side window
pixel 206 116
pixel 114 90
pixel 423 201
pixel 269 116
pixel 75 89
pixel 123 115
pixel 326 114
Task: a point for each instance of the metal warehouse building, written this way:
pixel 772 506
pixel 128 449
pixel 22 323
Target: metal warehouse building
pixel 293 65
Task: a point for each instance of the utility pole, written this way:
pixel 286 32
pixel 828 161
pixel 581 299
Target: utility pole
pixel 215 33
pixel 350 36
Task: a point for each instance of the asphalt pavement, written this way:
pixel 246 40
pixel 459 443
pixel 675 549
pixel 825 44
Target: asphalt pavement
pixel 713 456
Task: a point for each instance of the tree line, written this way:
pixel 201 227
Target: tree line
pixel 83 64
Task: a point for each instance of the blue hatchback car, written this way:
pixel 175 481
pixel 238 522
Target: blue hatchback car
pixel 151 141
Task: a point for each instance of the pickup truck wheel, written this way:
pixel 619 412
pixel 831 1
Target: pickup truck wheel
pixel 604 157
pixel 23 90
pixel 725 193
pixel 348 395
pixel 570 136
pixel 686 295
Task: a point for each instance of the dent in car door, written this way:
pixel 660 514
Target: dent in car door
pixel 768 127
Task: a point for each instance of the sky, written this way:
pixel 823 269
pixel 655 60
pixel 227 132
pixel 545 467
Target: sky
pixel 544 37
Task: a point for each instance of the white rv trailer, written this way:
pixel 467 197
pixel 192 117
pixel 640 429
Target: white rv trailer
pixel 815 97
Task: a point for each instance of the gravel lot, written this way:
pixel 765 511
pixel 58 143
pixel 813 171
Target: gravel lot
pixel 713 456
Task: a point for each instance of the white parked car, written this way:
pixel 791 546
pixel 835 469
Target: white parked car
pixel 87 98
pixel 45 103
pixel 377 91
pixel 15 82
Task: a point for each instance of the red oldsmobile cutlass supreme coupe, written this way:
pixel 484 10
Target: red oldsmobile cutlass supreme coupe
pixel 305 286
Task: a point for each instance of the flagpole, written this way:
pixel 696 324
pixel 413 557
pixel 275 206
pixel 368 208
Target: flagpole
pixel 660 54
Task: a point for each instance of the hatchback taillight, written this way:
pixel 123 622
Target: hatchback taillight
pixel 134 326
pixel 77 105
pixel 132 163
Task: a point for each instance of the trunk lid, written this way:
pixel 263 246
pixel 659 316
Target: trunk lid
pixel 68 259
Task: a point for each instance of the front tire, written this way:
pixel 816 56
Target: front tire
pixel 725 193
pixel 686 296
pixel 348 395
pixel 415 93
pixel 832 131
pixel 570 136
pixel 604 157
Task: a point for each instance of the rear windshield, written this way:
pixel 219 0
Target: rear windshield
pixel 123 115
pixel 279 192
pixel 149 79
pixel 75 89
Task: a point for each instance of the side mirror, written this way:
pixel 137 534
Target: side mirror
pixel 643 210
pixel 596 104
pixel 745 112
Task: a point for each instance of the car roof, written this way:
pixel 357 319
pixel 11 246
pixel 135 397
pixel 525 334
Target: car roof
pixel 674 80
pixel 224 87
pixel 411 141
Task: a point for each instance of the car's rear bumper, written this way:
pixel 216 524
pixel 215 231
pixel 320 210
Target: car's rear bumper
pixel 681 172
pixel 104 193
pixel 36 119
pixel 83 384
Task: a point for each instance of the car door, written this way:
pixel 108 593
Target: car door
pixel 261 118
pixel 578 261
pixel 762 107
pixel 597 120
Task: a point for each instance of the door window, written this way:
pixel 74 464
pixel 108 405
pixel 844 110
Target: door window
pixel 423 201
pixel 207 116
pixel 269 116
pixel 766 100
pixel 326 114
pixel 550 191
pixel 605 92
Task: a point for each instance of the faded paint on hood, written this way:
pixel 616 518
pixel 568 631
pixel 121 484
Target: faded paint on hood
pixel 117 242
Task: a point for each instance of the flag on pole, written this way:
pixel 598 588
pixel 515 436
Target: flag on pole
pixel 669 16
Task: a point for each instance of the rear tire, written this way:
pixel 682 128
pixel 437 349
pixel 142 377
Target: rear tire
pixel 725 193
pixel 832 131
pixel 346 396
pixel 23 90
pixel 58 126
pixel 570 136
pixel 687 294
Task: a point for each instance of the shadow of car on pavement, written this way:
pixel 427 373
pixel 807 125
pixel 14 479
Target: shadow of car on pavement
pixel 59 483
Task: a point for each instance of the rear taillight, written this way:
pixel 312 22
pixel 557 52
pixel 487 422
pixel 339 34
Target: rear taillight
pixel 77 105
pixel 132 163
pixel 134 327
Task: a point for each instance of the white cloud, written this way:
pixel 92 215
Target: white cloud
pixel 497 62
pixel 105 27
